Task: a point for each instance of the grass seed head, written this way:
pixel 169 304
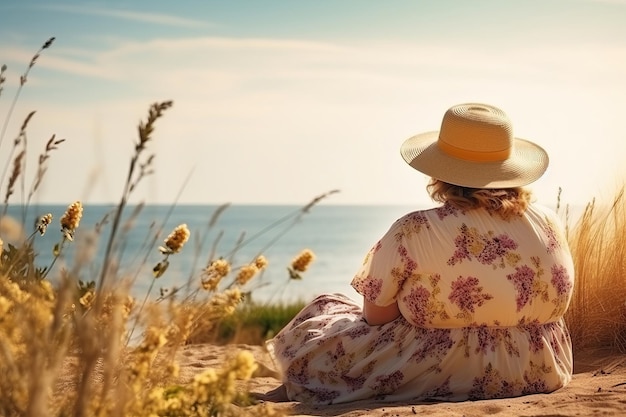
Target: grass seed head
pixel 176 240
pixel 303 260
pixel 71 219
pixel 261 262
pixel 246 273
pixel 43 223
pixel 213 274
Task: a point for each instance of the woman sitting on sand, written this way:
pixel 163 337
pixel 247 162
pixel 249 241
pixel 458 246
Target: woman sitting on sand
pixel 463 301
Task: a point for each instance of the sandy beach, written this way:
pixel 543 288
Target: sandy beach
pixel 598 388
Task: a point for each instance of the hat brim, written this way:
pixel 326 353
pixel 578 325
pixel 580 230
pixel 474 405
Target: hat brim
pixel 526 164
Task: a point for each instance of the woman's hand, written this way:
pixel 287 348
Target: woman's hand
pixel 375 315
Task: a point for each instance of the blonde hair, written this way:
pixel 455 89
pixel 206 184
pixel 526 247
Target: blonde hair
pixel 506 202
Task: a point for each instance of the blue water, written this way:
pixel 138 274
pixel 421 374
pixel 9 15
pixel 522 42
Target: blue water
pixel 340 236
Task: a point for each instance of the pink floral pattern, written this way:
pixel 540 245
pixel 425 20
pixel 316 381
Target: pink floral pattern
pixel 370 287
pixel 552 237
pixel 522 279
pixel 467 294
pixel 474 293
pixel 528 284
pixel 417 303
pixel 408 266
pixel 491 384
pixel 488 248
pixel 446 210
pixel 410 225
pixel 423 304
pixel 561 280
pixel 563 285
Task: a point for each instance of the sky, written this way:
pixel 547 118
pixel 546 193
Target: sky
pixel 276 102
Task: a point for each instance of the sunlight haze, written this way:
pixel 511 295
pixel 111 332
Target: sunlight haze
pixel 277 102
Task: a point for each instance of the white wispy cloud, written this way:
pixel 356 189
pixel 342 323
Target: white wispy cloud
pixel 148 17
pixel 221 64
pixel 76 62
pixel 279 62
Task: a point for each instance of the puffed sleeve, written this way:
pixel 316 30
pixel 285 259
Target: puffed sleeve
pixel 385 268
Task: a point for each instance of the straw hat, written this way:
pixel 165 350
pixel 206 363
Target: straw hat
pixel 475 148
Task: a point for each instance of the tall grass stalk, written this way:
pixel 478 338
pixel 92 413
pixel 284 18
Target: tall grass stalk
pixel 597 313
pixel 62 349
pixel 145 134
pixel 23 80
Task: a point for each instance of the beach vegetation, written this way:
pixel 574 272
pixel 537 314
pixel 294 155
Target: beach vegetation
pixel 78 344
pixel 74 343
pixel 597 314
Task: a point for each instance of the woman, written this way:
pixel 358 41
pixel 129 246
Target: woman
pixel 462 301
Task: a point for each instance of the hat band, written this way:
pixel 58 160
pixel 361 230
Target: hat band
pixel 475 156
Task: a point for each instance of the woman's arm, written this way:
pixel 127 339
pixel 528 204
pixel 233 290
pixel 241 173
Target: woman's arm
pixel 375 315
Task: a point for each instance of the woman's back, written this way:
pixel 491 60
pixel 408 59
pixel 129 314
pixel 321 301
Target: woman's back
pixel 481 299
pixel 457 269
pixel 465 301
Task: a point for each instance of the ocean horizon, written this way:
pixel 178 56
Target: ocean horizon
pixel 339 235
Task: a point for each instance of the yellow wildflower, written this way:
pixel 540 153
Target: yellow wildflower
pixel 154 339
pixel 211 283
pixel 87 299
pixel 224 304
pixel 71 219
pixel 47 291
pixel 244 365
pixel 303 260
pixel 234 296
pixel 246 273
pixel 219 267
pixel 176 240
pixel 260 262
pixel 214 273
pixel 204 385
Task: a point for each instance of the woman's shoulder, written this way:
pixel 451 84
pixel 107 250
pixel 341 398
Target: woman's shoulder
pixel 446 215
pixel 542 213
pixel 428 217
pixel 417 215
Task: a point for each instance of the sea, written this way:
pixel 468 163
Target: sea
pixel 338 235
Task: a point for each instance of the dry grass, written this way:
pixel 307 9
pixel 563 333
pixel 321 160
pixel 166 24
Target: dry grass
pixel 597 313
pixel 67 350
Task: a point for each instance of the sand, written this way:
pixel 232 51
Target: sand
pixel 598 388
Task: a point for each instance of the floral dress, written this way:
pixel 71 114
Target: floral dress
pixel 481 300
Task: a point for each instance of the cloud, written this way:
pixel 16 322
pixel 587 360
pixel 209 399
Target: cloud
pixel 148 17
pixel 218 64
pixel 85 65
pixel 246 106
pixel 221 64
